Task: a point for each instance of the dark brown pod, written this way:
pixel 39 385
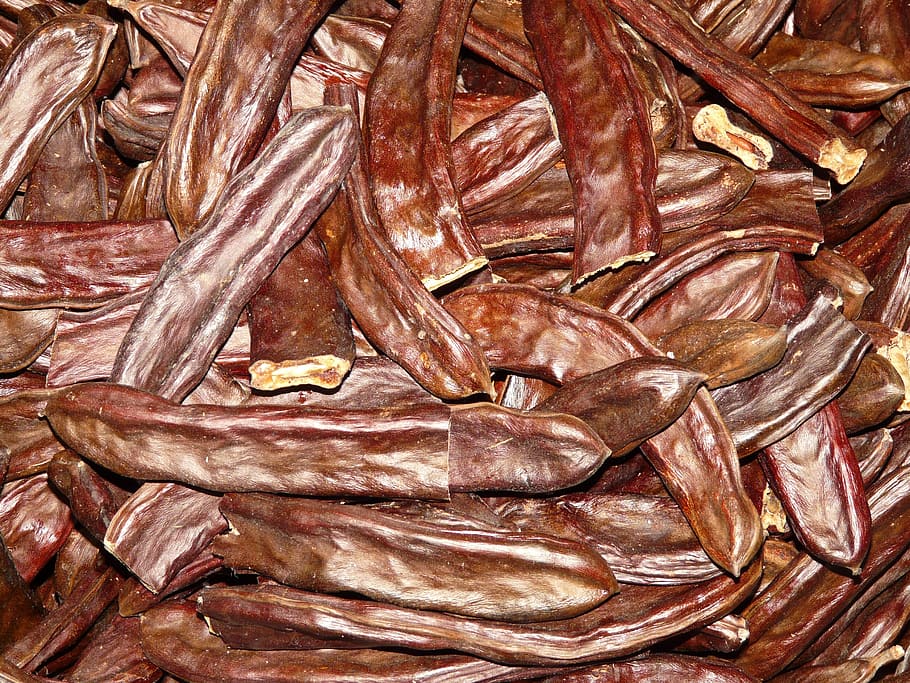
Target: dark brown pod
pixel 121 258
pixel 21 609
pixel 883 182
pixel 656 668
pixel 399 453
pixel 230 96
pixel 810 373
pixel 300 330
pixel 502 154
pixel 236 257
pixel 410 160
pixel 807 596
pixel 30 440
pixel 437 562
pixel 34 523
pixel 872 451
pixel 43 82
pixel 778 214
pixel 732 287
pixel 65 625
pixel 830 267
pixel 628 402
pixel 496 448
pixel 160 529
pixel 115 654
pixel 826 73
pixel 645 539
pixel 631 621
pixel 747 85
pixel 387 300
pixel 526 331
pixel 872 396
pixel 25 334
pixel 853 670
pixel 603 124
pixel 726 350
pixel 177 640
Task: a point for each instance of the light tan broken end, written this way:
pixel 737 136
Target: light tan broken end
pixel 773 515
pixel 638 257
pixel 843 162
pixel 322 371
pixel 476 263
pixel 711 124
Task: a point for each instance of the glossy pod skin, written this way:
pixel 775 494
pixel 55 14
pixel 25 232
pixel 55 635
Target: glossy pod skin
pixel 124 258
pixel 726 350
pixel 410 161
pixel 813 372
pixel 628 402
pixel 173 637
pixel 228 244
pixel 632 620
pixel 603 125
pixel 230 96
pixel 43 82
pixel 813 594
pixel 745 84
pixel 300 330
pixel 413 451
pixel 569 339
pixel 490 573
pixel 160 529
pixel 387 299
pixel 645 539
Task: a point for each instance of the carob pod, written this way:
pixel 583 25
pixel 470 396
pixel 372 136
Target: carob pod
pixel 34 523
pixel 823 352
pixel 177 640
pixel 726 350
pixel 735 287
pixel 826 73
pixel 410 160
pixel 558 338
pixel 645 539
pixel 230 96
pixel 160 529
pixel 115 653
pixel 121 258
pixel 631 621
pixel 628 402
pixel 434 562
pixel 747 85
pixel 300 330
pixel 655 668
pixel 603 125
pixel 502 154
pixel 386 299
pixel 807 596
pixel 778 214
pixel 260 215
pixel 412 452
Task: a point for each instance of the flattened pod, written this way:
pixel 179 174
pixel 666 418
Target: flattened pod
pixel 207 280
pixel 308 451
pixel 604 126
pixel 634 619
pixel 177 640
pixel 526 331
pixel 435 562
pixel 43 82
pixel 231 94
pixel 410 159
